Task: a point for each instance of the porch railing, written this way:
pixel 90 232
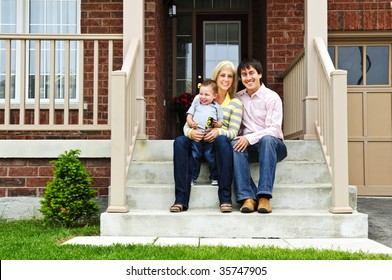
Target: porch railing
pixel 331 122
pixel 127 122
pixel 88 111
pixel 294 95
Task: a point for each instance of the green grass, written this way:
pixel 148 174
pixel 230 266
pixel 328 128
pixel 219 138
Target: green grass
pixel 30 240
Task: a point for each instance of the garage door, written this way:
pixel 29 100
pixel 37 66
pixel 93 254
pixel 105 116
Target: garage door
pixel 369 115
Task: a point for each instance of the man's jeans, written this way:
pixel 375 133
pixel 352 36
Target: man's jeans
pixel 268 152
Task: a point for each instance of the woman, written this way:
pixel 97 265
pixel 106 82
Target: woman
pixel 225 76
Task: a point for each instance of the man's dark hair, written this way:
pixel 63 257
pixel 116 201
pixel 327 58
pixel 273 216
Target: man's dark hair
pixel 248 63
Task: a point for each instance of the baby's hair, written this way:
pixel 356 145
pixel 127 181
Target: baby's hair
pixel 210 83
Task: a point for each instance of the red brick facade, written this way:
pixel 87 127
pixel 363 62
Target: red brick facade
pixel 285 38
pixel 359 15
pixel 28 177
pixel 284 29
pixel 156 73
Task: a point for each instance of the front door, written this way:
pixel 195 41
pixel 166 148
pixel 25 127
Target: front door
pixel 207 32
pixel 219 37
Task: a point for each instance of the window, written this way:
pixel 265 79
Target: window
pixel 7 25
pixel 366 65
pixel 40 17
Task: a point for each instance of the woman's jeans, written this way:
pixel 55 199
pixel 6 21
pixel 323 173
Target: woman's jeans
pixel 268 152
pixel 182 178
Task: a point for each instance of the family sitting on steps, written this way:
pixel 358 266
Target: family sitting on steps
pixel 250 125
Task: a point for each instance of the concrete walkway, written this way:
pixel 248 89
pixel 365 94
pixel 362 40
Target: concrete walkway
pixel 341 244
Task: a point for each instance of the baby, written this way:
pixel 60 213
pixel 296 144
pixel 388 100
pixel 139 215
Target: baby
pixel 204 114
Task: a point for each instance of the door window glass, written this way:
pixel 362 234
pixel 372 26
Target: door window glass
pixel 184 53
pixel 222 42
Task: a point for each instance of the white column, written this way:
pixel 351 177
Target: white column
pixel 316 25
pixel 133 27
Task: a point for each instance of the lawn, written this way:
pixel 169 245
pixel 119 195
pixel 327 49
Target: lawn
pixel 30 240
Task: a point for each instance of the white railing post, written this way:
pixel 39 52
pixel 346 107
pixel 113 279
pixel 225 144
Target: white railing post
pixel 124 124
pixel 133 27
pixel 316 25
pixel 339 139
pixel 119 145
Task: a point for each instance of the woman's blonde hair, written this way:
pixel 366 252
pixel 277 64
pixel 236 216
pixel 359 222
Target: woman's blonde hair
pixel 227 65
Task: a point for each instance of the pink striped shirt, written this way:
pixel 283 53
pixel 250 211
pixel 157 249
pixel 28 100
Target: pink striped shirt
pixel 263 114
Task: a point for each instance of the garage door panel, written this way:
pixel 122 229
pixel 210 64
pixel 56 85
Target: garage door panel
pixel 355 114
pixel 379 114
pixel 379 155
pixel 356 163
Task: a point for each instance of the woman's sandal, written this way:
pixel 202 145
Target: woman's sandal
pixel 177 208
pixel 226 208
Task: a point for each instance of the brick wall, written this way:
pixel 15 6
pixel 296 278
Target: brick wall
pixel 359 15
pixel 285 38
pixel 28 177
pixel 100 17
pixel 156 64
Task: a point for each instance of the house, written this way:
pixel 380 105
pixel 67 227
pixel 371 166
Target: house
pixel 108 70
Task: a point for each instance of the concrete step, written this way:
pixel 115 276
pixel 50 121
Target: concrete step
pixel 162 150
pixel 296 197
pixel 211 223
pixel 294 172
pixel 302 197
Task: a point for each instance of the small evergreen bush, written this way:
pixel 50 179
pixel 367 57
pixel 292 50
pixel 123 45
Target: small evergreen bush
pixel 68 199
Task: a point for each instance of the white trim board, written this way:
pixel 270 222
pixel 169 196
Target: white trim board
pixel 53 148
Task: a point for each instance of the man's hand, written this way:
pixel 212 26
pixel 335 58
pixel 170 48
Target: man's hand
pixel 196 135
pixel 241 144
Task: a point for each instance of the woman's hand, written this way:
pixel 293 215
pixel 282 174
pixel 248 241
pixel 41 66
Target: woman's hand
pixel 211 135
pixel 196 135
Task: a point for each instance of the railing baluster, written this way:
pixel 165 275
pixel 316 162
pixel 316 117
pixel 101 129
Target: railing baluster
pixel 95 98
pixel 52 82
pixel 7 100
pixel 66 81
pixel 37 96
pixel 81 83
pixel 22 83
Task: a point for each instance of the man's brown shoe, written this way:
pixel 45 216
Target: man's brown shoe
pixel 264 206
pixel 248 206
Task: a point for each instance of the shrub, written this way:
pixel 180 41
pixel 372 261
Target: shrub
pixel 68 199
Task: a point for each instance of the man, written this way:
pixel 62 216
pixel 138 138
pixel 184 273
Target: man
pixel 261 138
